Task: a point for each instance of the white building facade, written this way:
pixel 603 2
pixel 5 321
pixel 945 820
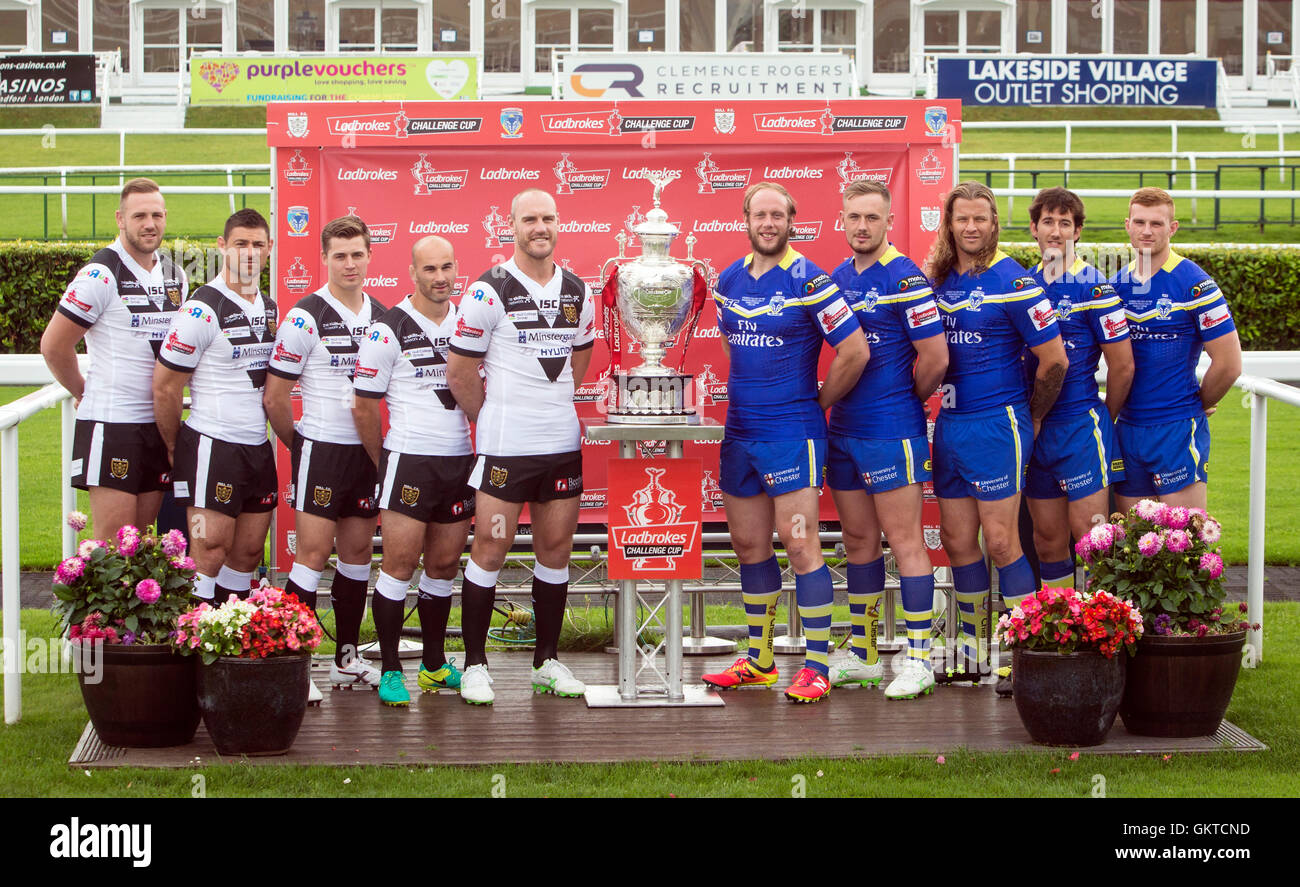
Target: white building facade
pixel 890 40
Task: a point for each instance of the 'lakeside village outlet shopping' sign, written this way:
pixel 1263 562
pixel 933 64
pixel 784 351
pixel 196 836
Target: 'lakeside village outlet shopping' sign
pixel 1080 80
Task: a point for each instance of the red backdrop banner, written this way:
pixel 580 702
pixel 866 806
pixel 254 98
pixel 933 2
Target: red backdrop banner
pixel 413 169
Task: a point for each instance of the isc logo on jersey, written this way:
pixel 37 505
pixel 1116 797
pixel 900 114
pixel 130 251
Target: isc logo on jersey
pixel 1115 324
pixel 834 315
pixel 1042 314
pixel 920 315
pixel 1212 318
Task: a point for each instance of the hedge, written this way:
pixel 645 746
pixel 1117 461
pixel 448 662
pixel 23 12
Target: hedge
pixel 1262 285
pixel 34 275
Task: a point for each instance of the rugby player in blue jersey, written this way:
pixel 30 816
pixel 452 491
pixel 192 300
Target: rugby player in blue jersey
pixel 1174 309
pixel 1076 457
pixel 992 310
pixel 878 451
pixel 774 310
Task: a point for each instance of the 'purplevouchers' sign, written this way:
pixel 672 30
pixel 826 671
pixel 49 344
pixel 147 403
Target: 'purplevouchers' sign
pixel 1079 80
pixel 255 80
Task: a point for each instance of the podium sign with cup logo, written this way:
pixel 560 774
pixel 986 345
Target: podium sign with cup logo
pixel 654 519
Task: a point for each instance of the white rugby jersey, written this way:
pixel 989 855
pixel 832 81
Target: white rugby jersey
pixel 126 312
pixel 225 341
pixel 405 360
pixel 526 334
pixel 317 344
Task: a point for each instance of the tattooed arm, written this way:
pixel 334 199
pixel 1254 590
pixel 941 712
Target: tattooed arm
pixel 1052 364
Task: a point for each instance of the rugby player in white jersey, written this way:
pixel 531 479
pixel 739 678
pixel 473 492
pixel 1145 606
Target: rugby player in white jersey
pixel 333 482
pixel 531 325
pixel 122 303
pixel 425 500
pixel 223 464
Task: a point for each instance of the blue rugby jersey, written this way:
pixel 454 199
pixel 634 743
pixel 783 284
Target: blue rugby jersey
pixel 774 327
pixel 989 319
pixel 1090 314
pixel 1169 317
pixel 895 306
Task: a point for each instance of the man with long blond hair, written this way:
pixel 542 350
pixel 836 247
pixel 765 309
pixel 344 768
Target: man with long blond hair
pixel 992 311
pixel 1174 310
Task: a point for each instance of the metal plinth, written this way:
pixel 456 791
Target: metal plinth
pixel 707 646
pixel 790 645
pixel 406 649
pixel 608 696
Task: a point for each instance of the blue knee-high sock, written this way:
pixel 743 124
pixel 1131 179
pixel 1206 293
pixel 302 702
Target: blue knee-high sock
pixel 814 592
pixel 971 585
pixel 760 586
pixel 1016 581
pixel 918 611
pixel 1057 574
pixel 866 589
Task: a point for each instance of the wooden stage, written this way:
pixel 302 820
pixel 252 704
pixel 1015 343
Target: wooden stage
pixel 351 727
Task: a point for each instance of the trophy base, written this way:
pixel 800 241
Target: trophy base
pixel 651 400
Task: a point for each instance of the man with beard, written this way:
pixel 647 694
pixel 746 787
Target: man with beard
pixel 774 310
pixel 122 302
pixel 992 310
pixel 425 501
pixel 879 453
pixel 531 325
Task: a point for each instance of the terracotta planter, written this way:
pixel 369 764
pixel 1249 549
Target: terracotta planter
pixel 1068 698
pixel 1180 686
pixel 254 706
pixel 139 695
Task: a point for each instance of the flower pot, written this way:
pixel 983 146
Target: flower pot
pixel 138 695
pixel 254 706
pixel 1180 686
pixel 1068 698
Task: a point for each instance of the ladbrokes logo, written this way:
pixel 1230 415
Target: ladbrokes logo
pixel 363 174
pixel 367 125
pixel 824 122
pixel 805 231
pixel 713 179
pixel 296 277
pixel 569 179
pixel 655 535
pixel 428 179
pixel 612 123
pixel 297 171
pixel 382 232
pixel 850 172
pixel 498 229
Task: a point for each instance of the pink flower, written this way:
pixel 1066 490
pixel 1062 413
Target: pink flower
pixel 128 541
pixel 1148 509
pixel 77 520
pixel 87 546
pixel 1083 548
pixel 1212 563
pixel 148 591
pixel 1211 532
pixel 183 563
pixel 1102 536
pixel 1178 541
pixel 69 571
pixel 173 544
pixel 1150 544
pixel 1176 517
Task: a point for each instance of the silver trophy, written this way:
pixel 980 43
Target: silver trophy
pixel 655 299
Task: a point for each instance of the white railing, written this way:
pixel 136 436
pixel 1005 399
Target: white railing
pixel 108 67
pixel 10 416
pixel 1223 97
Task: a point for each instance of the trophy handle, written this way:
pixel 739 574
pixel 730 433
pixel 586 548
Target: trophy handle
pixel 694 262
pixel 622 256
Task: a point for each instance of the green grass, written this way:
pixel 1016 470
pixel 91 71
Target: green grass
pixel 85 117
pixel 1266 704
pixel 38 442
pixel 222 117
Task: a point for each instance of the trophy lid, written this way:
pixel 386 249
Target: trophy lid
pixel 656 221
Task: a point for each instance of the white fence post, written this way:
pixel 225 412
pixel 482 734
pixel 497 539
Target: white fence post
pixel 13 651
pixel 1255 542
pixel 68 414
